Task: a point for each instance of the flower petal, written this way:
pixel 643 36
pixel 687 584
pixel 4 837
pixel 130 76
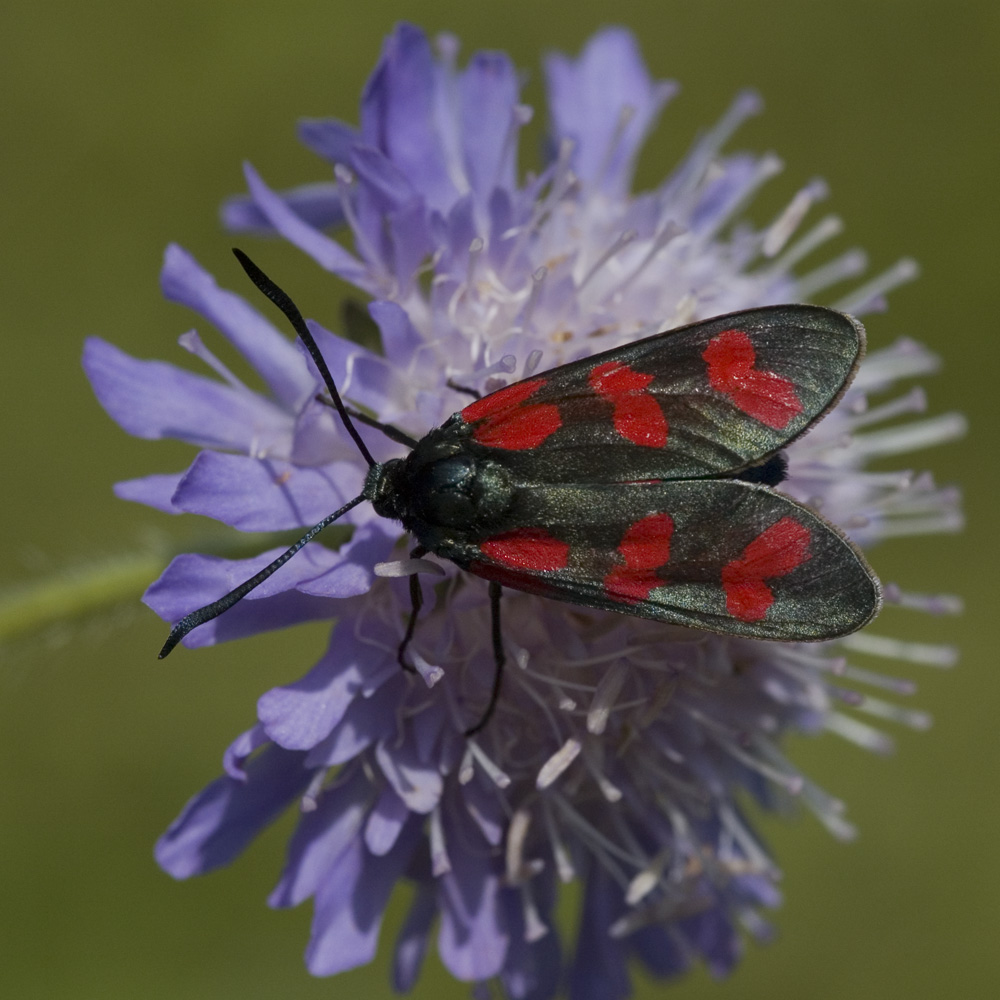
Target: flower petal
pixel 220 821
pixel 154 400
pixel 256 494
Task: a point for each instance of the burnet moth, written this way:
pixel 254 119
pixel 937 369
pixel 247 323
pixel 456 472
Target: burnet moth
pixel 640 480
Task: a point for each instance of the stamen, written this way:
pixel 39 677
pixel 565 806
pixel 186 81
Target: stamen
pixel 696 163
pixel 904 359
pixel 440 862
pixel 625 118
pixel 310 797
pixel 534 927
pixel 848 265
pixel 934 604
pixel 557 763
pixel 647 879
pixel 924 653
pixel 861 299
pixel 912 436
pixel 780 231
pixel 915 401
pixel 859 733
pixel 622 241
pixel 608 689
pixel 491 770
pixel 564 864
pixel 408 567
pixel 193 344
pixel 895 713
pixel 519 871
pixel 825 229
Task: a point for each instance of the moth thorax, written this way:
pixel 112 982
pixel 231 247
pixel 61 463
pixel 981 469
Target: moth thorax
pixel 457 491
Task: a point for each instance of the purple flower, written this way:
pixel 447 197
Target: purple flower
pixel 619 749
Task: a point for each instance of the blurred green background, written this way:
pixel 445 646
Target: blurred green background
pixel 124 126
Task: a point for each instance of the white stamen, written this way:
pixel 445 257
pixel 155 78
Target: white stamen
pixel 895 713
pixel 780 231
pixel 926 654
pixel 429 673
pixel 608 689
pixel 859 733
pixel 408 567
pixel 848 265
pixel 934 604
pixel 193 344
pixel 310 797
pixel 623 240
pixel 856 302
pixel 518 870
pixel 557 763
pixel 564 864
pixel 647 879
pixel 912 436
pixel 915 401
pixel 492 771
pixel 824 230
pixel 904 359
pixel 534 927
pixel 440 862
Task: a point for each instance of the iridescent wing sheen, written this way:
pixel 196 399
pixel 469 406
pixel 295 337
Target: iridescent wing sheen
pixel 703 400
pixel 722 555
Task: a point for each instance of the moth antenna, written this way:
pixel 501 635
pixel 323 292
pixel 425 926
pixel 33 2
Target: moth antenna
pixel 284 302
pixel 216 608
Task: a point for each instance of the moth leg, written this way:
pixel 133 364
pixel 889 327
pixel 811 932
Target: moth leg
pixel 474 393
pixel 499 658
pixel 416 603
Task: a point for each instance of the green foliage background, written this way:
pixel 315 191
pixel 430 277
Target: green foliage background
pixel 124 125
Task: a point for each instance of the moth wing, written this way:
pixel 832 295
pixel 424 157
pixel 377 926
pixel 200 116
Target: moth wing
pixel 707 399
pixel 722 555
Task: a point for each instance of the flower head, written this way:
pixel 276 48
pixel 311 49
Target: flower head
pixel 621 752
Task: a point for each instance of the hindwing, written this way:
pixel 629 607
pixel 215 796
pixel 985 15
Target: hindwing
pixel 722 555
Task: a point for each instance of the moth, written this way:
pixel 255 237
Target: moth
pixel 641 480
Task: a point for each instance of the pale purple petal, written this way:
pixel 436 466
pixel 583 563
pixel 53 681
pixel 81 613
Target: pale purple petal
pixel 322 836
pixel 489 89
pixel 219 822
pixel 301 714
pixel 411 945
pixel 599 970
pixel 154 400
pixel 328 253
pixel 606 102
pixel 385 822
pixel 398 114
pixel 351 902
pixel 316 204
pixel 240 749
pixel 258 494
pixel 272 355
pixel 417 783
pixel 366 721
pixel 329 138
pixel 473 939
pixel 155 491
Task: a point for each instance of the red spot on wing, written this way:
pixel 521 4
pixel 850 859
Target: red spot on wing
pixel 505 422
pixel 774 552
pixel 766 396
pixel 637 415
pixel 527 548
pixel 645 548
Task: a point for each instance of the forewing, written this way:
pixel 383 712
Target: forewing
pixel 722 555
pixel 706 399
